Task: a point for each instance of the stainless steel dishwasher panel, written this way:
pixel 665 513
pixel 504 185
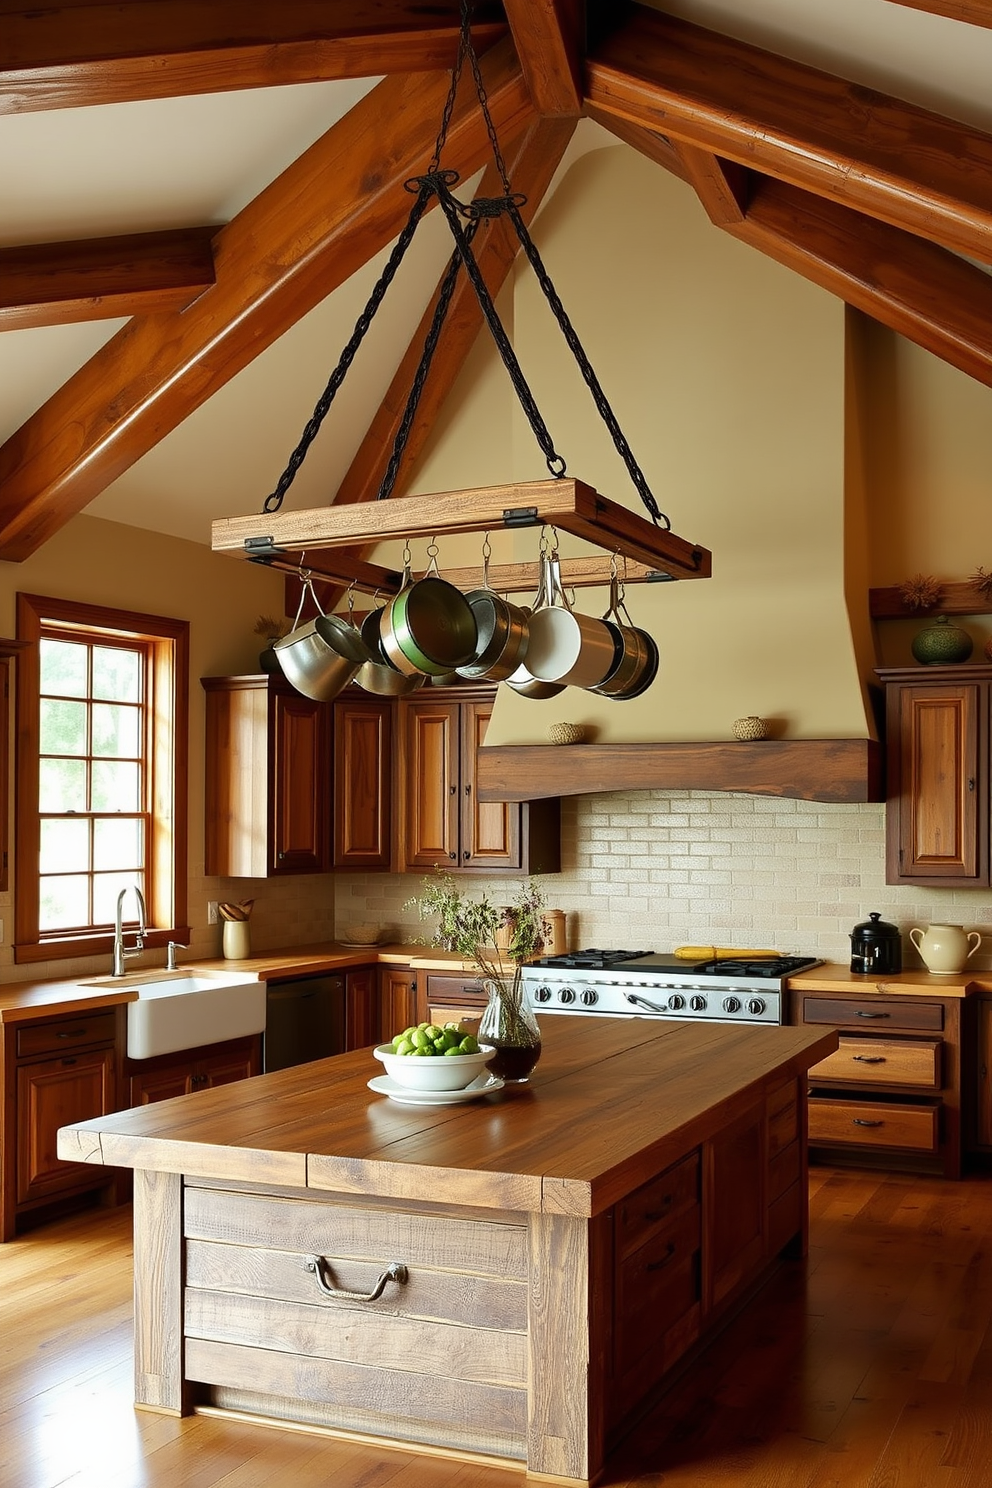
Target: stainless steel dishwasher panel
pixel 304 1020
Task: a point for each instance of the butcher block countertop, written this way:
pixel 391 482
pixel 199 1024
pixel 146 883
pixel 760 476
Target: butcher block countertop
pixel 655 1088
pixel 836 977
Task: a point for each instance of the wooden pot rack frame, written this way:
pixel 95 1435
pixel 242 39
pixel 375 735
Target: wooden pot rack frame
pixel 323 536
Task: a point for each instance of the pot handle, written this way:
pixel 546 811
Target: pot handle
pixel 556 595
pixel 306 587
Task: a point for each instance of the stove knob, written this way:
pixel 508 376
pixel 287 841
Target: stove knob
pixel 566 995
pixel 756 1005
pixel 697 1003
pixel 731 1004
pixel 542 994
pixel 589 996
pixel 676 1002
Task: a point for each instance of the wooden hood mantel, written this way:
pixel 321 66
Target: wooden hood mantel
pixel 804 769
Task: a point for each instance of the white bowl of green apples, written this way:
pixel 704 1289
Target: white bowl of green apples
pixel 432 1056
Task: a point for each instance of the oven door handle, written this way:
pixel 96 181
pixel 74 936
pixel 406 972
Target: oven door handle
pixel 642 1002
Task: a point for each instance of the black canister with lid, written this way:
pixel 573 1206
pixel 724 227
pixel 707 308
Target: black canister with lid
pixel 876 947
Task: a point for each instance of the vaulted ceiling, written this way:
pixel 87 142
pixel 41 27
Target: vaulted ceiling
pixel 197 199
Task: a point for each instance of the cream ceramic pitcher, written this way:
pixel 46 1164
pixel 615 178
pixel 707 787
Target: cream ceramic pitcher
pixel 945 948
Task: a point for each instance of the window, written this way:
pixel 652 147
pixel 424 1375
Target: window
pixel 101 776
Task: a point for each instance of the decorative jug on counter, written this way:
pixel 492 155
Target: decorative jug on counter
pixel 509 1025
pixel 945 948
pixel 876 947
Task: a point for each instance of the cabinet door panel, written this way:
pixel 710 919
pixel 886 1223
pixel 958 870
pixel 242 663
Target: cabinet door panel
pixel 937 812
pixel 50 1094
pixel 300 788
pixel 362 778
pixel 160 1084
pixel 431 770
pixel 490 830
pixel 734 1177
pixel 361 1021
pixel 399 1001
pixel 227 1067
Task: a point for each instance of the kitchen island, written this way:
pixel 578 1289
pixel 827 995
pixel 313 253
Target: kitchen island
pixel 512 1276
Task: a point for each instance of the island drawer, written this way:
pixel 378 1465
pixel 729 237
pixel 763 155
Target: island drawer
pixel 59 1034
pixel 650 1208
pixel 883 1013
pixel 914 1062
pixel 656 1287
pixel 875 1123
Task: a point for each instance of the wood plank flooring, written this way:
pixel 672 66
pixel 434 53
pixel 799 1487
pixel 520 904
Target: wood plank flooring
pixel 868 1367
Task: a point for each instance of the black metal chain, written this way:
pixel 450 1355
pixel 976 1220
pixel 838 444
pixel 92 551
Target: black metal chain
pixel 274 501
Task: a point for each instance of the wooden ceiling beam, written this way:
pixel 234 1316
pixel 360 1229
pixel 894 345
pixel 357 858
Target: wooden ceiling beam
pixel 645 141
pixel 341 202
pixel 924 292
pixel 975 12
pixel 75 55
pixel 101 278
pixel 723 186
pixel 549 37
pixel 865 150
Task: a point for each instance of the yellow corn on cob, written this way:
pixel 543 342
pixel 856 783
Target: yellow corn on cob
pixel 717 953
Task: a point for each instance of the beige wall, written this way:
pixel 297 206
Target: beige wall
pixel 109 564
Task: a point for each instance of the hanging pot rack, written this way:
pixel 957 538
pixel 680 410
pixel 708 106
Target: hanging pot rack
pixel 565 503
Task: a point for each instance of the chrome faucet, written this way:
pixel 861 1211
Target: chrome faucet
pixel 120 953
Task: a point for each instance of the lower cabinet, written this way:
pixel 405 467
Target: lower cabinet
pixel 455 999
pixel 983 1123
pixel 401 1000
pixel 55 1071
pixel 688 1244
pixel 896 1091
pixel 193 1069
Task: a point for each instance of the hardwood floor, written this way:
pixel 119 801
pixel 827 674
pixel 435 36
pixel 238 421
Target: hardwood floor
pixel 868 1367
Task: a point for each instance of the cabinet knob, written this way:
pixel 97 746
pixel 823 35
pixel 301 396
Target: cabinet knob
pixel 452 789
pixel 453 856
pixel 468 790
pixel 971 782
pixel 466 855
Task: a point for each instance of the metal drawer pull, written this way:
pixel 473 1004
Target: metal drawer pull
pixel 873 1015
pixel 666 1204
pixel 868 1058
pixel 73 1033
pixel 669 1252
pixel 395 1271
pixel 859 1121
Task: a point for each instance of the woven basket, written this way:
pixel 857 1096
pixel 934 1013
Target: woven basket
pixel 750 728
pixel 566 733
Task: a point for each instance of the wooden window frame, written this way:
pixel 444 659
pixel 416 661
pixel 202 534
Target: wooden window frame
pixel 168 701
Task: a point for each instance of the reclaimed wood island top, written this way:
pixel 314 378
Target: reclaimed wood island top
pixel 515 1276
pixel 610 1102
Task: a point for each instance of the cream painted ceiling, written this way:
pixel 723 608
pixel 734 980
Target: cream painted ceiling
pixel 133 167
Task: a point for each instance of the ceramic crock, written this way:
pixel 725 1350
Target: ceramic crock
pixel 945 948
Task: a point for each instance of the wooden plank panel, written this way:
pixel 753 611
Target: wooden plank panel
pixel 101 278
pixel 334 207
pixel 890 159
pixel 158 1318
pixel 70 56
pixel 801 769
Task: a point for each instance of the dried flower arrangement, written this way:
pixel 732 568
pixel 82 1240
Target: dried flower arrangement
pixel 271 628
pixel 921 592
pixel 982 582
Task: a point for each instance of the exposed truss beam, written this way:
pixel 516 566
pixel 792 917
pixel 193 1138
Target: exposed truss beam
pixel 68 56
pixel 655 146
pixel 325 216
pixel 878 155
pixel 101 278
pixel 722 186
pixel 549 37
pixel 977 12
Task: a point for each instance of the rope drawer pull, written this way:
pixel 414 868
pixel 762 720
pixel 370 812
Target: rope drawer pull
pixel 395 1271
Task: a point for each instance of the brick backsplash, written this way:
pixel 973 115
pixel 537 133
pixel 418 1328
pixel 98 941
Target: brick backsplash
pixel 650 870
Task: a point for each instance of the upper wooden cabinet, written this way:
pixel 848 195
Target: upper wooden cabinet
pixel 938 775
pixel 443 821
pixel 362 782
pixel 267 779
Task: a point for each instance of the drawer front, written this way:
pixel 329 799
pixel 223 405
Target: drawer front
pixel 650 1208
pixel 783 1118
pixel 883 1062
pixel 783 1171
pixel 875 1124
pixel 456 991
pixel 656 1286
pixel 785 1217
pixel 60 1034
pixel 878 1014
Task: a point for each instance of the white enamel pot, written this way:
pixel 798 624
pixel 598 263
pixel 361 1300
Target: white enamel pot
pixel 570 649
pixel 522 681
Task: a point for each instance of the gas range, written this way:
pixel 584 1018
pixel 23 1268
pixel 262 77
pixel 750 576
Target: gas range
pixel 656 985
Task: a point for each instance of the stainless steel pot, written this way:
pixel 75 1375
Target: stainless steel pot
pixel 378 675
pixel 502 633
pixel 636 663
pixel 321 657
pixel 428 626
pixel 567 648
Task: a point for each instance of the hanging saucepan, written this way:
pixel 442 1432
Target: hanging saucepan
pixel 636 664
pixel 502 632
pixel 321 657
pixel 378 675
pixel 576 650
pixel 428 626
pixel 521 680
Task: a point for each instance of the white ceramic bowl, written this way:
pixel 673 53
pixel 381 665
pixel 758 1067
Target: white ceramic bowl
pixel 434 1071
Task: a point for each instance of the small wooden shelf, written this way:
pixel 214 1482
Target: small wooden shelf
pixel 958 597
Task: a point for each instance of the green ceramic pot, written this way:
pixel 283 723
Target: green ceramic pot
pixel 941 643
